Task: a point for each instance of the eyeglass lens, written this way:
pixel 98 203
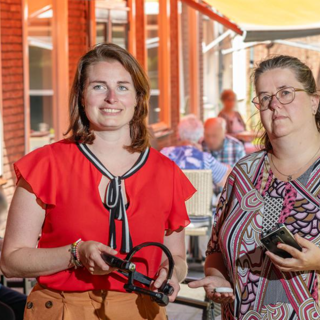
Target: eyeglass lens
pixel 284 96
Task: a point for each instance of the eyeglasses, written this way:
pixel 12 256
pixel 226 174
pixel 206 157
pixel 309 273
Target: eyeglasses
pixel 284 96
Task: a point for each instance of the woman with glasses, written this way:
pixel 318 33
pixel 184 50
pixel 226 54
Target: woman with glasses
pixel 279 184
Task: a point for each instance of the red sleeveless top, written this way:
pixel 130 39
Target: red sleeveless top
pixel 62 177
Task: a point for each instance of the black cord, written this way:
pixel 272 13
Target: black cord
pixel 154 244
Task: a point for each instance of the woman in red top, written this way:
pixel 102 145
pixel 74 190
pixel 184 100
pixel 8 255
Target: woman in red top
pixel 102 189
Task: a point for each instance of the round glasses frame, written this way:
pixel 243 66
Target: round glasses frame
pixel 262 107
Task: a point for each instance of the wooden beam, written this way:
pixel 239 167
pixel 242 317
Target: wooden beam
pixel 164 61
pixel 209 13
pixel 132 27
pixel 60 67
pixel 141 51
pixel 92 23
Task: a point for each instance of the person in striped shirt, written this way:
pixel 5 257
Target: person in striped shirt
pixel 222 147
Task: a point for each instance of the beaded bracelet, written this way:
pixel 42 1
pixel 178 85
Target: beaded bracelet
pixel 75 259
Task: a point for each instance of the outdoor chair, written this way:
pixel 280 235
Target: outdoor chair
pixel 200 213
pixel 25 284
pixel 199 206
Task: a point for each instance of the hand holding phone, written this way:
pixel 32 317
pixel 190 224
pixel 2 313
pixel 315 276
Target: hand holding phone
pixel 279 234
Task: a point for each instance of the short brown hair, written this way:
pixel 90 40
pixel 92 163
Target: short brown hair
pixel 226 94
pixel 79 125
pixel 303 74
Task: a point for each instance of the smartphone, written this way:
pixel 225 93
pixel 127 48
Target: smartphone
pixel 223 290
pixel 280 233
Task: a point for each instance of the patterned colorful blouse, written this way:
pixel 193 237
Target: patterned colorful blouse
pixel 254 200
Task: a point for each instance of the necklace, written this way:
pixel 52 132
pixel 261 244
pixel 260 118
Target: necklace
pixel 289 176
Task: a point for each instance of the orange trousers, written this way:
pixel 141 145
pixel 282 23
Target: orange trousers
pixel 46 304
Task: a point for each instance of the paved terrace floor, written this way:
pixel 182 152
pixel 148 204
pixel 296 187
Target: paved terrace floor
pixel 181 312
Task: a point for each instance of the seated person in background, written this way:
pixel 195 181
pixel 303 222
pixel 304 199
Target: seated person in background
pixel 12 303
pixel 235 123
pixel 222 147
pixel 189 154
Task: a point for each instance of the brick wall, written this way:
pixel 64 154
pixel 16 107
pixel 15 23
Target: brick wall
pixel 261 52
pixel 311 58
pixel 12 90
pixel 78 33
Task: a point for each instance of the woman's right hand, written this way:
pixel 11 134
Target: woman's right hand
pixel 209 283
pixel 90 256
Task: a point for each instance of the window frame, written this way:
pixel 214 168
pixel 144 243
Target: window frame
pixel 60 69
pixel 163 67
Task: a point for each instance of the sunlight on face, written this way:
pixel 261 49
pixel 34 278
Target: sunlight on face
pixel 110 96
pixel 281 120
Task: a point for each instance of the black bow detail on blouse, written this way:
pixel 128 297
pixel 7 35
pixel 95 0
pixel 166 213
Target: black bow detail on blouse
pixel 115 204
pixel 114 200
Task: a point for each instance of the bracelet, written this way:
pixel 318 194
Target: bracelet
pixel 75 259
pixel 77 251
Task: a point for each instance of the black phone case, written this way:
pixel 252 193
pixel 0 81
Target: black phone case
pixel 279 234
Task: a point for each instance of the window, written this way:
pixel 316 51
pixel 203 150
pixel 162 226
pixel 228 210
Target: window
pixel 112 22
pixel 212 71
pixel 40 47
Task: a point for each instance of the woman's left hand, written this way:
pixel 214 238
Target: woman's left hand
pixel 305 260
pixel 161 278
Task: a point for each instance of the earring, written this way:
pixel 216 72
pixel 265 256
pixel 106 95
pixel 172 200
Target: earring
pixel 314 112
